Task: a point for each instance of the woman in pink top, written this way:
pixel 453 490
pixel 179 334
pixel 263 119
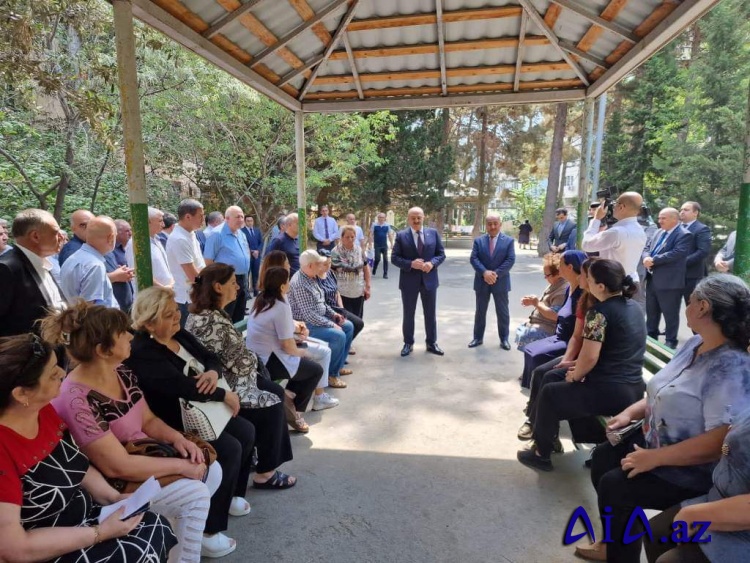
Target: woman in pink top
pixel 102 405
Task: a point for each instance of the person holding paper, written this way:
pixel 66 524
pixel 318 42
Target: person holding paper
pixel 104 407
pixel 37 453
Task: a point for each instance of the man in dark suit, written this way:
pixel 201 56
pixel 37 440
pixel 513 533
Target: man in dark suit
pixel 492 257
pixel 118 271
pixel 27 289
pixel 696 260
pixel 665 261
pixel 417 252
pixel 560 233
pixel 255 242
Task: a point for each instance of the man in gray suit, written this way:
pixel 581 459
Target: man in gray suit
pixel 724 261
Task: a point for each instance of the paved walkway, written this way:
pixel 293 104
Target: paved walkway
pixel 418 463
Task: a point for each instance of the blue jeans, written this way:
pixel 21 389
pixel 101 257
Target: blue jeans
pixel 339 341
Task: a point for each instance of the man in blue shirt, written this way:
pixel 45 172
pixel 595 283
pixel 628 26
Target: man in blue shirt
pixel 84 274
pixel 228 245
pixel 116 263
pixel 325 230
pixel 255 241
pixel 78 223
pixel 381 232
pixel 287 242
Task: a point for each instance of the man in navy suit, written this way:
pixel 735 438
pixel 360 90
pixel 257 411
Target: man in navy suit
pixel 417 252
pixel 665 261
pixel 492 257
pixel 559 236
pixel 696 260
pixel 255 242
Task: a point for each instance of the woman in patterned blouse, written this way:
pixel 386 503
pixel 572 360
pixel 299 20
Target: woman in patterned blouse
pixel 352 272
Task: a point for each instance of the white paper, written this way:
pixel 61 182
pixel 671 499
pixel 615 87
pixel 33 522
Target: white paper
pixel 147 492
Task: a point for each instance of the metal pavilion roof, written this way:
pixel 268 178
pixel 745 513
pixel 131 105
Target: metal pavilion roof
pixel 350 55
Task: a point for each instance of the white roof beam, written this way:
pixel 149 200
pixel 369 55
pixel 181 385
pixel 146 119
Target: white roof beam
pixel 353 64
pixel 441 45
pixel 519 56
pixel 301 70
pixel 572 49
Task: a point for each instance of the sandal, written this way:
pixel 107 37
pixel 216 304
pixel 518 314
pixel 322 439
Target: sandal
pixel 299 424
pixel 278 480
pixel 217 546
pixel 336 383
pixel 345 371
pixel 239 507
pixel 352 352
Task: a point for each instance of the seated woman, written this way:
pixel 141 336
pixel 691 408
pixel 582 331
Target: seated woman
pixel 541 351
pixel 352 271
pixel 557 368
pixel 317 350
pixel 214 288
pixel 686 413
pixel 104 408
pixel 161 353
pixel 726 506
pixel 543 318
pixel 607 374
pixel 50 496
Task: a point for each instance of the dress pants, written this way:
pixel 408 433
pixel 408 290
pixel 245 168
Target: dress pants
pixel 670 552
pixel 254 271
pixel 409 304
pixel 329 246
pixel 380 251
pixel 615 490
pixel 663 302
pixel 500 297
pixel 355 306
pixel 690 284
pixel 234 451
pixel 339 341
pixel 236 309
pixel 271 430
pixel 546 373
pixel 302 383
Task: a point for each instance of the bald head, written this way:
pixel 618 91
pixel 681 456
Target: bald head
pixel 669 217
pixel 628 205
pixel 79 221
pixel 235 218
pixel 124 232
pixel 415 218
pixel 101 234
pixel 291 225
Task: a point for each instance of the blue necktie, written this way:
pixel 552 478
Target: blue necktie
pixel 325 222
pixel 659 244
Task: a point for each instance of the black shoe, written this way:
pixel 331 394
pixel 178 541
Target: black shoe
pixel 530 459
pixel 406 350
pixel 474 343
pixel 435 349
pixel 525 432
pixel 557 446
pixel 385 276
pixel 504 344
pixel 671 344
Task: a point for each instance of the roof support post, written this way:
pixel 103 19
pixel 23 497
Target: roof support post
pixel 299 144
pixel 133 141
pixel 601 116
pixel 441 45
pixel 519 54
pixel 584 177
pixel 742 245
pixel 353 65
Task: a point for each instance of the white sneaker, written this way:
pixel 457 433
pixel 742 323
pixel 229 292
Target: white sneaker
pixel 324 401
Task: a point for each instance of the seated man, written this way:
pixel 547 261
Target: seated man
pixel 308 304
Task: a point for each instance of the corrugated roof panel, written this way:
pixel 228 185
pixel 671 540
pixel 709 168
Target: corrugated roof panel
pixel 279 17
pixel 482 29
pixel 541 53
pixel 384 8
pixel 209 11
pixel 484 57
pixel 388 37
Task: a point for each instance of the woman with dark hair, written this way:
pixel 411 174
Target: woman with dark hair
pixel 274 259
pixel 541 351
pixel 524 234
pixel 50 496
pixel 607 374
pixel 688 409
pixel 543 319
pixel 102 404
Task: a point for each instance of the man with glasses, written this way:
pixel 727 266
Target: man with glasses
pixel 78 222
pixel 560 234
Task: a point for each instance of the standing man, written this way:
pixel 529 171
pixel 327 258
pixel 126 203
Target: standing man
pixel 214 221
pixel 287 242
pixel 228 245
pixel 702 238
pixel 169 221
pixel 118 271
pixel 27 288
pixel 325 230
pixel 359 236
pixel 184 253
pixel 665 263
pixel 560 233
pixel 78 222
pixel 381 234
pixel 417 252
pixel 84 274
pixel 492 257
pixel 724 261
pixel 159 266
pixel 255 242
pixel 4 246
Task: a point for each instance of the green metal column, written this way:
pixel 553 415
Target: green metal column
pixel 742 247
pixel 299 141
pixel 584 176
pixel 133 142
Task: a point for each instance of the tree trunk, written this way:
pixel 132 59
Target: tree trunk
pixel 481 184
pixel 553 178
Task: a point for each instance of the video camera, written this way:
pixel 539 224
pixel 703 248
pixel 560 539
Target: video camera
pixel 606 195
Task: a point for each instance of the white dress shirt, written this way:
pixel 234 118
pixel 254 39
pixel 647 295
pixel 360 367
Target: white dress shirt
pixel 183 248
pixel 43 268
pixel 159 266
pixel 623 242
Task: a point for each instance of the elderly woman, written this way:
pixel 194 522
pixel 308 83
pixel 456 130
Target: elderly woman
pixel 687 411
pixel 607 373
pixel 41 520
pixel 215 288
pixel 541 351
pixel 353 324
pixel 104 408
pixel 543 318
pixel 352 271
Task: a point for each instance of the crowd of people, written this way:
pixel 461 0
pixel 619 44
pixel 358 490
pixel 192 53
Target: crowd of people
pixel 100 378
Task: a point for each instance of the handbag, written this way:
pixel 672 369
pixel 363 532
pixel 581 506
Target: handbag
pixel 206 420
pixel 153 448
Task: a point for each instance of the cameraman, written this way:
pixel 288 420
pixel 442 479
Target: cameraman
pixel 624 241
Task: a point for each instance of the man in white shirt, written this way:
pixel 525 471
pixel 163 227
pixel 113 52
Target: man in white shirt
pixel 624 241
pixel 162 277
pixel 184 253
pixel 325 230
